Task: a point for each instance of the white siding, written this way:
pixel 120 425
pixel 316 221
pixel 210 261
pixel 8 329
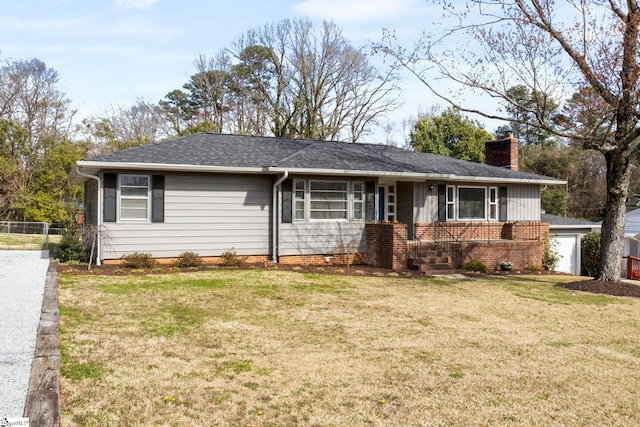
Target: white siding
pixel 320 237
pixel 208 214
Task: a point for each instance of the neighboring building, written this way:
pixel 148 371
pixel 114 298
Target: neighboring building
pixel 632 233
pixel 300 200
pixel 567 233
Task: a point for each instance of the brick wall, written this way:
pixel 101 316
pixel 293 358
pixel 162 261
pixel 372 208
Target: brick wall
pixel 341 259
pixel 463 231
pixel 387 245
pixel 521 254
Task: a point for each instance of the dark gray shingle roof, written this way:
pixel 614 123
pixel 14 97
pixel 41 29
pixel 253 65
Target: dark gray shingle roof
pixel 564 221
pixel 237 151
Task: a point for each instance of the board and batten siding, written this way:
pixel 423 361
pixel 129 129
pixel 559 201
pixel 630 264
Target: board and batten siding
pixel 523 200
pixel 207 214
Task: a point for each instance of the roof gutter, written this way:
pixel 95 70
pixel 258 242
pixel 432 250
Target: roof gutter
pixel 330 172
pixel 98 213
pixel 276 203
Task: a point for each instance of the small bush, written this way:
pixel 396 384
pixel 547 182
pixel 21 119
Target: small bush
pixel 551 257
pixel 534 268
pixel 231 259
pixel 137 260
pixel 591 254
pixel 188 259
pixel 475 265
pixel 71 249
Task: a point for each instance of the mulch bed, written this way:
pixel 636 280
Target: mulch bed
pixel 619 289
pixel 354 270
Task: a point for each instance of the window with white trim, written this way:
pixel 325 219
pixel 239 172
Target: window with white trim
pixel 134 197
pixel 451 203
pixel 391 203
pixel 472 202
pixel 493 202
pixel 328 200
pixel 358 201
pixel 299 192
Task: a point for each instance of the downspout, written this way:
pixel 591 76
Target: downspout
pixel 275 232
pixel 98 213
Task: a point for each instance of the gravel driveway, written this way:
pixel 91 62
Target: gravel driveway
pixel 22 279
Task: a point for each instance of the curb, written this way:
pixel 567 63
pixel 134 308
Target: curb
pixel 43 399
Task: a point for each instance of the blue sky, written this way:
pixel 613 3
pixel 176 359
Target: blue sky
pixel 109 52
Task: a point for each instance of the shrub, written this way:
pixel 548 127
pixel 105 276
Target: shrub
pixel 231 259
pixel 188 259
pixel 475 265
pixel 591 254
pixel 71 248
pixel 137 260
pixel 550 258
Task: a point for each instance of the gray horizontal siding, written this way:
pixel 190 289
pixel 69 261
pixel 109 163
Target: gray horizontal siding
pixel 312 238
pixel 208 214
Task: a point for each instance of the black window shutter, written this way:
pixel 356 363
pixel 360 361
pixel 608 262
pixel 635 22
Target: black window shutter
pixel 370 201
pixel 442 203
pixel 109 190
pixel 502 197
pixel 157 198
pixel 287 201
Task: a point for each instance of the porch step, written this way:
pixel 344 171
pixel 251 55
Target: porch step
pixel 430 258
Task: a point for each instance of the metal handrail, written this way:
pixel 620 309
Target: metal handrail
pixel 416 253
pixel 452 245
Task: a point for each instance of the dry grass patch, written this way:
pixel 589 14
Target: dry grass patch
pixel 29 242
pixel 258 347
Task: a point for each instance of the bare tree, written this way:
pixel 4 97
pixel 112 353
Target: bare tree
pixel 124 127
pixel 295 79
pixel 554 49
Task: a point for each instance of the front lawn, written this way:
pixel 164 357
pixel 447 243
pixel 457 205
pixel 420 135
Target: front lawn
pixel 256 347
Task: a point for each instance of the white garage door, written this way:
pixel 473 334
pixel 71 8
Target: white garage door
pixel 568 250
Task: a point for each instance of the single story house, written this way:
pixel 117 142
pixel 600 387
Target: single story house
pixel 307 201
pixel 567 234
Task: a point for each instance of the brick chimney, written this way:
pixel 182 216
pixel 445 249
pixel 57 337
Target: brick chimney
pixel 502 152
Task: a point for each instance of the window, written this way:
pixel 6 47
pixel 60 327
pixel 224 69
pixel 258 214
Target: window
pixel 472 202
pixel 134 197
pixel 358 201
pixel 493 203
pixel 391 203
pixel 451 203
pixel 298 197
pixel 328 200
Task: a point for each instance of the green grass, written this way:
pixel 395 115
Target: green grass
pixel 285 348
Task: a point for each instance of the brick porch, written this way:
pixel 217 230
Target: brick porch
pixel 446 246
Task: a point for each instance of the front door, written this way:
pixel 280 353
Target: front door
pixel 386 203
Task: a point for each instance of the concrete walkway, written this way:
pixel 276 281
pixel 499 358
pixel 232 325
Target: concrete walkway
pixel 22 282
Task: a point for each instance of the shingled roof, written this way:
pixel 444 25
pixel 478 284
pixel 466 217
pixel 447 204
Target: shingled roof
pixel 253 154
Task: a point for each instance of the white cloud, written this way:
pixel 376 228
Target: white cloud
pixel 350 11
pixel 136 4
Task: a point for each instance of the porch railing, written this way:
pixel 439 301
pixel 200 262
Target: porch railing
pixel 415 250
pixel 449 243
pixel 633 268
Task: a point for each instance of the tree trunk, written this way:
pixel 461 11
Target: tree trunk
pixel 618 176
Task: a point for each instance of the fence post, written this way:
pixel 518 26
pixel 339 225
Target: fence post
pixel 45 230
